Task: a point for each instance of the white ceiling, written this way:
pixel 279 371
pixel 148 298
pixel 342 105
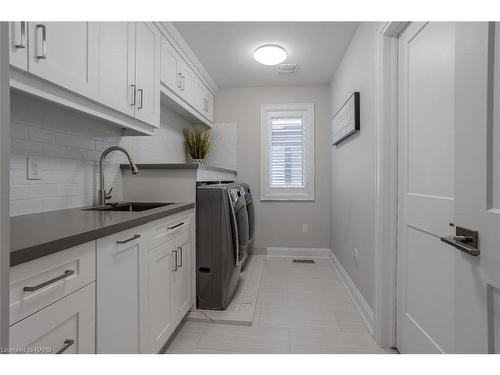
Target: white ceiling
pixel 225 49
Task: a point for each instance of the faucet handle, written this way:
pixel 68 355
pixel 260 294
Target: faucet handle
pixel 108 194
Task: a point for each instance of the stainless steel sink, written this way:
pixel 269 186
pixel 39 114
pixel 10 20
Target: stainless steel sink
pixel 128 207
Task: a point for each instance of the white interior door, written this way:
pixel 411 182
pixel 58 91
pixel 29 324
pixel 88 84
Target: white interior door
pixel 426 277
pixel 477 192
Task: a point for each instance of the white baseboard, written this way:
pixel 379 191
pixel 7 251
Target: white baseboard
pixel 313 252
pixel 357 298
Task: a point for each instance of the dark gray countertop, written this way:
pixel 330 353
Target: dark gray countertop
pixel 180 166
pixel 37 235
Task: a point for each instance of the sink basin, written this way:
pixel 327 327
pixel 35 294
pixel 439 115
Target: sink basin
pixel 128 207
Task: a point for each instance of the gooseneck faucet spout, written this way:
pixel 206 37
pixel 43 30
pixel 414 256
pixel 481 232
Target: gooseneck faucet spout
pixel 101 194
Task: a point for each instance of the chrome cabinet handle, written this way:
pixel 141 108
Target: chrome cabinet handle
pixel 179 79
pixel 128 240
pixel 48 282
pixel 179 248
pixel 67 344
pixel 176 226
pixel 133 88
pixel 22 43
pixel 175 260
pixel 141 92
pixel 183 83
pixel 43 46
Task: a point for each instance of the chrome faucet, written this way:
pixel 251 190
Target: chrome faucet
pixel 101 193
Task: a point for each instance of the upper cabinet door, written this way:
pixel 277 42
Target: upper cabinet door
pixel 147 73
pixel 170 61
pixel 18 44
pixel 203 100
pixel 65 53
pixel 117 65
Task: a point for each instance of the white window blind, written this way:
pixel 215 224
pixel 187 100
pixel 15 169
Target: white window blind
pixel 287 152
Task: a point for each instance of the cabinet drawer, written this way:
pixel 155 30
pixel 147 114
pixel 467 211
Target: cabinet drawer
pixel 67 326
pixel 165 229
pixel 36 284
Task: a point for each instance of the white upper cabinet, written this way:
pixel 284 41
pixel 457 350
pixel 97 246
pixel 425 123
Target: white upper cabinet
pixel 117 65
pixel 18 44
pixel 170 73
pixel 147 73
pixel 129 69
pixel 183 86
pixel 204 100
pixel 111 70
pixel 65 53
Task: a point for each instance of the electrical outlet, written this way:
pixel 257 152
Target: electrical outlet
pixel 355 257
pixel 305 228
pixel 34 169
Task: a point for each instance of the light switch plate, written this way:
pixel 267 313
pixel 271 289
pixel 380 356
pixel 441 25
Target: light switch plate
pixel 34 169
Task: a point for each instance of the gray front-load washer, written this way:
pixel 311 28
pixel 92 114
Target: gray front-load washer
pixel 218 255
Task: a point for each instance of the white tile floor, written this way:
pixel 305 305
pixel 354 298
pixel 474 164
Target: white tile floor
pixel 301 308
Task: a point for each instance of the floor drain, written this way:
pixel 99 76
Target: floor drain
pixel 303 261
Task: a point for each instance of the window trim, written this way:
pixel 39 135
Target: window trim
pixel 267 193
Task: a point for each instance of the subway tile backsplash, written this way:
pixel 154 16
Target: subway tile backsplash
pixel 68 146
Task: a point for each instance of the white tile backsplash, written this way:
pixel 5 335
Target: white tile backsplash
pixel 68 146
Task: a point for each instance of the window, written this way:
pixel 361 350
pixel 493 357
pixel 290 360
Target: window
pixel 287 152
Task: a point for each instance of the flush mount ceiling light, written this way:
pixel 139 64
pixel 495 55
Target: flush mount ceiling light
pixel 270 54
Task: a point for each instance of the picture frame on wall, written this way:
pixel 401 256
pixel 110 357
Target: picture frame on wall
pixel 346 121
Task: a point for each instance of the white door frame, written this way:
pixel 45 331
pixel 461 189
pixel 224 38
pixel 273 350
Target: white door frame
pixel 386 184
pixel 4 183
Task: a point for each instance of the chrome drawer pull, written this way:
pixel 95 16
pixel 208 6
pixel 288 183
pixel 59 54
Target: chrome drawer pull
pixel 176 226
pixel 51 281
pixel 130 239
pixel 67 344
pixel 43 47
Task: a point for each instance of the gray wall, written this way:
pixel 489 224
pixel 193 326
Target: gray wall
pixel 353 163
pixel 280 223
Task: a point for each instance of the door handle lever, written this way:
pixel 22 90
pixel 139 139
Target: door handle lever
pixel 465 240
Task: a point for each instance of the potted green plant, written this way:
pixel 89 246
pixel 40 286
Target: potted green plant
pixel 197 142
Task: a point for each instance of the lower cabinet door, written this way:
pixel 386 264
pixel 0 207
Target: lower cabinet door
pixel 159 322
pixel 65 327
pixel 181 277
pixel 118 300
